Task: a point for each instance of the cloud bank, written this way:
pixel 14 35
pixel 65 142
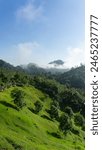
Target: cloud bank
pixel 33 52
pixel 74 57
pixel 25 51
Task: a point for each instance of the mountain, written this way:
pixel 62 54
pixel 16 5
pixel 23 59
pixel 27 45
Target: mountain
pixel 38 112
pixel 6 65
pixel 57 63
pixel 55 70
pixel 32 68
pixel 75 77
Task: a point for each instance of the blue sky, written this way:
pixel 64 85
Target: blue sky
pixel 41 31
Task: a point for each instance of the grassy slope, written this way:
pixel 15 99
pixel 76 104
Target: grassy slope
pixel 28 131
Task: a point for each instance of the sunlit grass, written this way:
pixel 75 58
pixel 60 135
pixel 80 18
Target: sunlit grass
pixel 28 131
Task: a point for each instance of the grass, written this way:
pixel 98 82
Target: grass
pixel 24 130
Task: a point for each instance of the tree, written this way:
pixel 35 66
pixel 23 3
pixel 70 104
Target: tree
pixel 38 106
pixel 3 78
pixel 65 123
pixel 69 111
pixel 16 77
pixel 18 97
pixel 72 98
pixel 79 120
pixel 50 87
pixel 54 112
pixel 55 103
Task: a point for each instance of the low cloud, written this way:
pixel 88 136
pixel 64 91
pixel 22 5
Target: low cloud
pixel 75 56
pixel 25 51
pixel 29 12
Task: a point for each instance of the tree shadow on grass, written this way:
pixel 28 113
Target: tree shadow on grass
pixel 46 117
pixel 8 105
pixel 16 146
pixel 54 134
pixel 32 110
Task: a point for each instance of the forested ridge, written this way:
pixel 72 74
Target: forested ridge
pixel 41 110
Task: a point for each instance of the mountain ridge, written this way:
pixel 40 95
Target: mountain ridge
pixel 74 77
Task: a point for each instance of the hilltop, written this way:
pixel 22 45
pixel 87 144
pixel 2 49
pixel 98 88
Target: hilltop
pixel 74 77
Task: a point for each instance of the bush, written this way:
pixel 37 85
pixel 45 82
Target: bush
pixel 65 123
pixel 18 97
pixel 71 98
pixel 79 120
pixel 83 127
pixel 54 112
pixel 50 87
pixel 75 131
pixel 55 103
pixel 38 106
pixel 69 111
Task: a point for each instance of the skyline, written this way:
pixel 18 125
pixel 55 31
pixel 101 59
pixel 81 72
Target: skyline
pixel 40 31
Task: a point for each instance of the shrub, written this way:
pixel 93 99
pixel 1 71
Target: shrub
pixel 38 106
pixel 83 127
pixel 72 98
pixel 79 120
pixel 55 103
pixel 75 131
pixel 54 112
pixel 65 123
pixel 18 97
pixel 69 111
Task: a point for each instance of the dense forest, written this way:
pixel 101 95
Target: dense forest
pixel 41 109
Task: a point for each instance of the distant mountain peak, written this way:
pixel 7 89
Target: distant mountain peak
pixel 5 64
pixel 57 63
pixel 32 64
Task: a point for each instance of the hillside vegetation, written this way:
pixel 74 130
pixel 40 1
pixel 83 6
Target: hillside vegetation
pixel 39 113
pixel 75 77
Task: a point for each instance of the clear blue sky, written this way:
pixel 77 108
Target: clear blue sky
pixel 41 31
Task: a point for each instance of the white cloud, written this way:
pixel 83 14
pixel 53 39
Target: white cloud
pixel 25 51
pixel 75 56
pixel 30 12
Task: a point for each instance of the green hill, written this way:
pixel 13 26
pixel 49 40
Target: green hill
pixel 25 130
pixel 37 112
pixel 75 77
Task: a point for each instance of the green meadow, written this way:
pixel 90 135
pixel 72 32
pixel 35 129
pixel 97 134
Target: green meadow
pixel 25 130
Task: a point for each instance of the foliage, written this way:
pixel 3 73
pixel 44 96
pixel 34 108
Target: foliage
pixel 75 131
pixel 65 123
pixel 69 111
pixel 19 79
pixel 26 129
pixel 75 77
pixel 54 112
pixel 18 97
pixel 3 77
pixel 79 120
pixel 71 98
pixel 59 99
pixel 38 107
pixel 47 86
pixel 56 104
